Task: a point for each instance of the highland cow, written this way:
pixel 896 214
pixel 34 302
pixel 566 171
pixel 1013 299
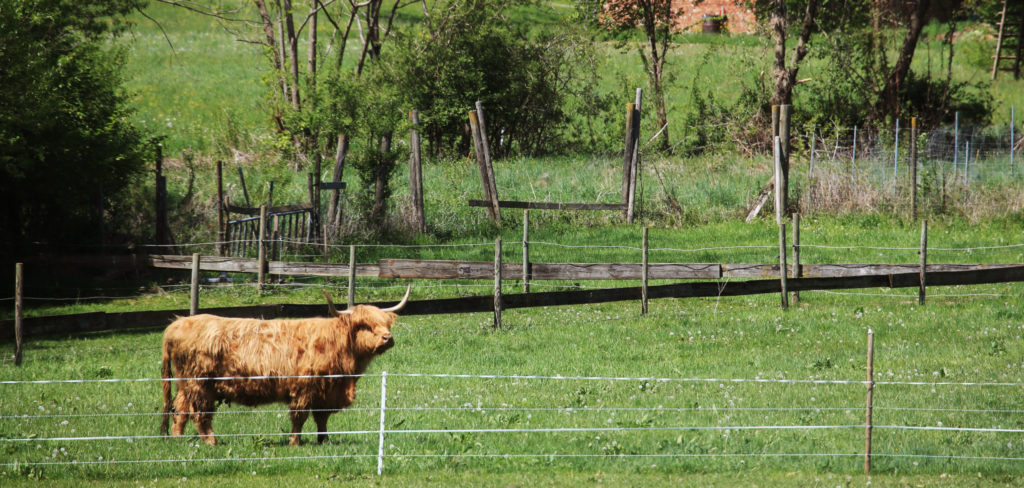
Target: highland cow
pixel 289 357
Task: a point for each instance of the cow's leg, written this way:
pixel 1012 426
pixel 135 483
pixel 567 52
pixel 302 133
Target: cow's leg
pixel 320 417
pixel 299 417
pixel 182 409
pixel 203 414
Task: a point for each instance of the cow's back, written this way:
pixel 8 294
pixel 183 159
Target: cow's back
pixel 212 346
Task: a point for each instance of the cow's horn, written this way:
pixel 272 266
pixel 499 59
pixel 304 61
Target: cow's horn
pixel 402 303
pixel 330 306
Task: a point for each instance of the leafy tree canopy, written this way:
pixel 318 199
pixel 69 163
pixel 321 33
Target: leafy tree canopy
pixel 67 148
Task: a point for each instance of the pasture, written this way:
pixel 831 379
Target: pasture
pixel 699 391
pixel 720 391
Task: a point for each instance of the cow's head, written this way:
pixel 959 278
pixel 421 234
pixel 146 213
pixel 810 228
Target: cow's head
pixel 370 326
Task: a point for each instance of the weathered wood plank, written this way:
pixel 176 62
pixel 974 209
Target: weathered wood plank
pixel 247 265
pixel 550 205
pixel 482 270
pixel 255 211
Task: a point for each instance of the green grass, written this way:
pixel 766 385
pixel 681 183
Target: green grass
pixel 953 339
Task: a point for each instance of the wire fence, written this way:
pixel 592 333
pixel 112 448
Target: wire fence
pixel 412 425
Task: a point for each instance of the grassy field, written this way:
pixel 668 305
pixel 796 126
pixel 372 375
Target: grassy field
pixel 730 391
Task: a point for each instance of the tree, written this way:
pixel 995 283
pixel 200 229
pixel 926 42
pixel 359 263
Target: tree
pixel 67 149
pixel 655 18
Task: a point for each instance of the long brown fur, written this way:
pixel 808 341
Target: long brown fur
pixel 208 346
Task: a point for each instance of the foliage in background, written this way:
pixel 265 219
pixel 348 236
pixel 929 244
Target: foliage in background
pixel 67 148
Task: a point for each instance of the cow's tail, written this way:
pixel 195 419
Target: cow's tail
pixel 166 375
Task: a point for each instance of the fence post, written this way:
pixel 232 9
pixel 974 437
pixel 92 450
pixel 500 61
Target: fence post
pixel 810 171
pixel 19 278
pixel 526 250
pixel 956 141
pixel 782 186
pixel 853 160
pixel 327 258
pixel 913 168
pixel 383 404
pixel 416 173
pixel 643 276
pixel 1011 140
pixel 261 249
pixel 275 238
pixel 797 271
pixel 779 200
pixel 497 283
pixel 351 276
pixel 486 173
pixel 782 265
pixel 627 158
pixel 193 299
pixel 895 153
pixel 924 259
pixel 870 402
pixel 634 165
pixel 967 162
pixel 221 224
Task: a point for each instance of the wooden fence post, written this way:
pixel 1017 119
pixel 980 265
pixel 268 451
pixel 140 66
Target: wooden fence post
pixel 913 168
pixel 485 145
pixel 634 166
pixel 526 250
pixel 870 401
pixel 416 174
pixel 643 275
pixel 193 298
pixel 797 270
pixel 497 283
pixel 19 278
pixel 161 200
pixel 777 158
pixel 327 256
pixel 221 224
pixel 627 154
pixel 924 259
pixel 782 185
pixel 782 264
pixel 351 276
pixel 261 249
pixel 486 175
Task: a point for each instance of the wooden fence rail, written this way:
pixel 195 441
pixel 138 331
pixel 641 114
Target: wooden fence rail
pixel 97 321
pixel 484 270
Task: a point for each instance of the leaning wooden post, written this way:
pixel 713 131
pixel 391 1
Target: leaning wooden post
pixel 416 174
pixel 797 271
pixel 913 168
pixel 261 249
pixel 779 200
pixel 634 167
pixel 526 250
pixel 221 224
pixel 782 265
pixel 782 185
pixel 497 283
pixel 924 259
pixel 327 257
pixel 643 275
pixel 870 402
pixel 193 301
pixel 351 276
pixel 627 158
pixel 486 173
pixel 19 278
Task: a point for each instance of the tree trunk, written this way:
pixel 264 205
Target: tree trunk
pixel 785 77
pixel 293 52
pixel 334 211
pixel 889 102
pixel 311 69
pixel 380 184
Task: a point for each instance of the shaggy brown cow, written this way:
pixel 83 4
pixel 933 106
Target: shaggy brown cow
pixel 207 346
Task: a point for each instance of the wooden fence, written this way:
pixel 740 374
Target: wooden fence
pixel 98 321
